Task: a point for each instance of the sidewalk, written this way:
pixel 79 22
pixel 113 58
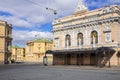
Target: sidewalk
pixel 22 63
pixel 116 68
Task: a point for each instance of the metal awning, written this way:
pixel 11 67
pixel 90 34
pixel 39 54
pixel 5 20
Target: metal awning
pixel 106 49
pixel 118 54
pixel 68 51
pixel 82 50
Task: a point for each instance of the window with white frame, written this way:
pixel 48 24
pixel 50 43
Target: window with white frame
pixel 108 28
pixel 57 42
pixel 108 36
pixel 107 32
pixel 67 40
pixel 79 39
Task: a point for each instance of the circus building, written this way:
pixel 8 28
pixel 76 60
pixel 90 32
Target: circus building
pixel 87 37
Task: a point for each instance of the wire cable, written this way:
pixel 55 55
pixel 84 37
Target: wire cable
pixel 35 3
pixel 45 7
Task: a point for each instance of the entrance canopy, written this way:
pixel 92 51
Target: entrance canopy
pixel 105 49
pixel 118 54
pixel 67 51
pixel 83 50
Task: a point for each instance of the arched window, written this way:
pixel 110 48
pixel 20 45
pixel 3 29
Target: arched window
pixel 67 40
pixel 80 39
pixel 94 37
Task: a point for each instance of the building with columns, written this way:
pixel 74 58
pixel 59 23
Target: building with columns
pixel 5 42
pixel 87 37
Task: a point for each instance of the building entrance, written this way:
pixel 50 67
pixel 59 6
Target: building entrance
pixel 92 59
pixel 68 59
pixel 79 59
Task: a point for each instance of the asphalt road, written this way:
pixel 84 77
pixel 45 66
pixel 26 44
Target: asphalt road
pixel 40 72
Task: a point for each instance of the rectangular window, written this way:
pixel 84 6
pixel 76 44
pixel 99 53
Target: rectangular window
pixel 108 37
pixel 56 42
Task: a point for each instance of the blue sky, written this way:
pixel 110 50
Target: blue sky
pixel 30 17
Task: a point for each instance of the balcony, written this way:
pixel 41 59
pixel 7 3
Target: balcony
pixel 107 30
pixel 90 46
pixel 2 36
pixel 8 51
pixel 1 51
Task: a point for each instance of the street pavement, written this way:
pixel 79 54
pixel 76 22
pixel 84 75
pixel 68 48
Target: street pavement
pixel 39 72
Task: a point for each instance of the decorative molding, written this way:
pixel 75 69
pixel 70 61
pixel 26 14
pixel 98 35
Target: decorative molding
pixel 1 24
pixel 97 22
pixel 107 9
pixel 81 7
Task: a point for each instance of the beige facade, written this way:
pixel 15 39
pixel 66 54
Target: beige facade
pixel 35 50
pixel 5 41
pixel 18 54
pixel 88 37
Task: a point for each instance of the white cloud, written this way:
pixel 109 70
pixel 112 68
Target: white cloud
pixel 36 19
pixel 21 37
pixel 16 21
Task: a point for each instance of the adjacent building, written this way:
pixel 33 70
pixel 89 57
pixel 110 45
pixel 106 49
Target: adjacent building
pixel 18 54
pixel 5 42
pixel 87 37
pixel 35 50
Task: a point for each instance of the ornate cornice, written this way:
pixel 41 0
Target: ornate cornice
pixel 86 17
pixel 1 24
pixel 2 36
pixel 91 23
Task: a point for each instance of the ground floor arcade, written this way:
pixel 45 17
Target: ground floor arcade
pixel 95 57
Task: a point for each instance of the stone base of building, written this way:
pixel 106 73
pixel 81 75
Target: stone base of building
pixel 1 58
pixel 86 59
pixel 5 59
pixel 1 62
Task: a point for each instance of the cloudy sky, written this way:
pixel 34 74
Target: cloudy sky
pixel 31 20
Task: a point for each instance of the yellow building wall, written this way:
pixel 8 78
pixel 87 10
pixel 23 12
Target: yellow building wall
pixel 39 47
pixel 18 54
pixel 1 58
pixel 14 55
pixel 4 38
pixel 38 51
pixel 2 28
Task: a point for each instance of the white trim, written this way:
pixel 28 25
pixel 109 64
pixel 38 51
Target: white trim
pixel 106 35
